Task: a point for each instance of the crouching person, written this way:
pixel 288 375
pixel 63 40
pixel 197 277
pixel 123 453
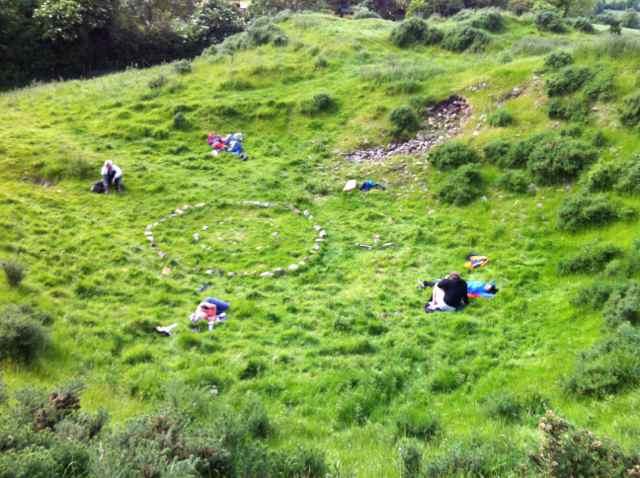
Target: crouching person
pixel 449 294
pixel 111 176
pixel 212 310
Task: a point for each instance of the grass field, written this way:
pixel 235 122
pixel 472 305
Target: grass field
pixel 341 350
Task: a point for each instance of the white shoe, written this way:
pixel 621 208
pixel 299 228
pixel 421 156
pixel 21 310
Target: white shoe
pixel 166 330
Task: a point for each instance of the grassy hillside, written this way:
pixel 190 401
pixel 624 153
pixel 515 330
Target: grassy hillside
pixel 339 351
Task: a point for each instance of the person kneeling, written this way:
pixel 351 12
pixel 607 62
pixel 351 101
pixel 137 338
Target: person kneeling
pixel 111 176
pixel 212 310
pixel 449 294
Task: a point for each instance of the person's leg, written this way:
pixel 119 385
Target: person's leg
pixel 105 182
pixel 117 182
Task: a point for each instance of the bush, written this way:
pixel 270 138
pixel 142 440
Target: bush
pixel 464 38
pixel 574 109
pixel 623 306
pixel 489 20
pixel 557 160
pixel 410 459
pixel 361 13
pixel 630 110
pixel 478 458
pixel 515 182
pixel 320 103
pixel 462 187
pixel 614 28
pixel 591 258
pixel 550 21
pixel 603 177
pixel 180 121
pixel 414 31
pixel 581 211
pixel 14 272
pixel 630 19
pixel 500 118
pixel 594 296
pixel 599 140
pixel 495 151
pixel 182 67
pixel 405 121
pixel 583 25
pixel 299 462
pixel 512 408
pixel 453 154
pixel 601 87
pixel 447 379
pixel 22 336
pixel 557 60
pixel 417 423
pixel 157 82
pixel 629 176
pixel 567 80
pixel 610 366
pixel 567 452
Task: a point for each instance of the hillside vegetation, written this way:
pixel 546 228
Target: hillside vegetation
pixel 339 355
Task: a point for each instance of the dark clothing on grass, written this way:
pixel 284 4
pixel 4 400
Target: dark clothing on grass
pixel 455 292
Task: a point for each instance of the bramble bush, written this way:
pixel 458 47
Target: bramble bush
pixel 623 306
pixel 500 118
pixel 22 335
pixel 591 258
pixel 453 154
pixel 490 20
pixel 550 21
pixel 630 110
pixel 567 80
pixel 14 272
pixel 583 25
pixel 557 60
pixel 320 103
pixel 405 121
pixel 417 422
pixel 582 211
pixel 572 109
pixel 567 452
pixel 496 151
pixel 556 160
pixel 603 176
pixel 463 38
pixel 414 31
pixel 462 187
pixel 515 182
pixel 182 67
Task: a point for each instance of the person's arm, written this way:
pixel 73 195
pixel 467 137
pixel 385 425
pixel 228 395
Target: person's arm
pixel 444 284
pixel 117 171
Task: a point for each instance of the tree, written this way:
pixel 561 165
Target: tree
pixel 68 20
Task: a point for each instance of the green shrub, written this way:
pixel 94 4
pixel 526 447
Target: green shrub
pixel 601 87
pixel 447 379
pixel 463 38
pixel 417 422
pixel 512 408
pixel 477 458
pixel 583 25
pixel 557 160
pixel 582 211
pixel 256 419
pixel 299 462
pixel 567 452
pixel 253 369
pixel 567 80
pixel 603 177
pixel 630 19
pixel 414 31
pixel 180 121
pixel 614 28
pixel 599 139
pixel 550 21
pixel 182 67
pixel 623 306
pixel 14 272
pixel 453 154
pixel 557 60
pixel 496 150
pixel 405 121
pixel 515 182
pixel 490 20
pixel 629 176
pixel 404 87
pixel 320 103
pixel 610 366
pixel 594 296
pixel 410 459
pixel 236 85
pixel 591 258
pixel 361 13
pixel 462 187
pixel 157 82
pixel 573 109
pixel 500 118
pixel 630 110
pixel 22 336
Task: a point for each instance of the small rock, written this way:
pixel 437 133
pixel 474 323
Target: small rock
pixel 322 234
pixel 350 185
pixel 205 228
pixel 209 272
pixel 278 272
pixel 293 267
pixel 196 236
pixel 266 274
pixel 231 274
pixel 166 271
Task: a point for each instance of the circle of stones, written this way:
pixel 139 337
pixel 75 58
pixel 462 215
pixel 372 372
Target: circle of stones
pixel 314 252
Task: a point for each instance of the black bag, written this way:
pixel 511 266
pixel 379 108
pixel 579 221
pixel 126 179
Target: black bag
pixel 98 187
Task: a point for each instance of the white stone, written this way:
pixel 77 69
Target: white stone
pixel 293 267
pixel 350 185
pixel 267 274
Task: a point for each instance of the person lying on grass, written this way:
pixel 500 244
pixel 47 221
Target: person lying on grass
pixel 449 294
pixel 211 310
pixel 111 176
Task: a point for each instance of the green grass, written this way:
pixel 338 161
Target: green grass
pixel 344 344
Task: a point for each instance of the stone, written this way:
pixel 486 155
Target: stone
pixel 278 272
pixel 350 185
pixel 196 236
pixel 200 204
pixel 266 274
pixel 205 228
pixel 293 267
pixel 231 274
pixel 306 213
pixel 166 271
pixel 322 234
pixel 162 254
pixel 209 271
